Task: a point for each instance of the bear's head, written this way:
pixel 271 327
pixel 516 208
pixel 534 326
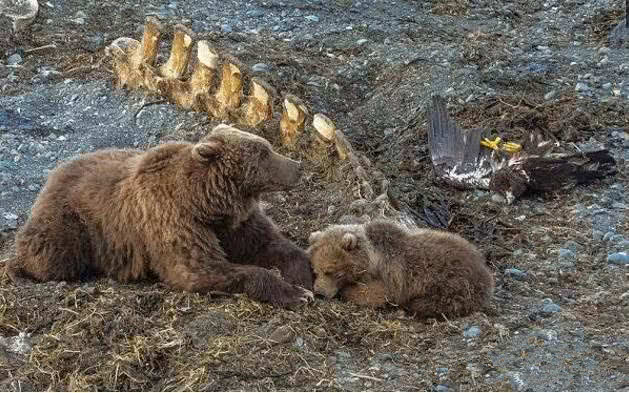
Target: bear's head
pixel 244 164
pixel 339 257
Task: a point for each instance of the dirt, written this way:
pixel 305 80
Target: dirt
pixel 558 322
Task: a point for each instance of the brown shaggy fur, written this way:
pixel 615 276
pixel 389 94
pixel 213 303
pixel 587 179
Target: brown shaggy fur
pixel 187 213
pixel 427 272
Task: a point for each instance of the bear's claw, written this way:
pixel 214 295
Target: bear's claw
pixel 308 296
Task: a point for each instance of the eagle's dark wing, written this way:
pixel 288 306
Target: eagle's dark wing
pixel 566 171
pixel 456 153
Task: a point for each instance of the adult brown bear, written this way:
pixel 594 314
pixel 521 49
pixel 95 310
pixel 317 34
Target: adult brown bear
pixel 188 213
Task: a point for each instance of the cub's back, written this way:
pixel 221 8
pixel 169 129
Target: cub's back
pixel 447 254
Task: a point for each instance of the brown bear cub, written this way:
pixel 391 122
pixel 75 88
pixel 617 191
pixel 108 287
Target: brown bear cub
pixel 186 213
pixel 427 272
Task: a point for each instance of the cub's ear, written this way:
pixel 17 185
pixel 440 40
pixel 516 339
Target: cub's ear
pixel 314 236
pixel 349 241
pixel 207 151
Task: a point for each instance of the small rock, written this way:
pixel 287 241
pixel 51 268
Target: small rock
pixel 260 67
pixel 567 255
pixel 618 258
pixel 597 235
pixel 362 41
pixel 581 87
pixel 442 371
pixel 10 216
pixel 299 342
pixel 607 85
pixel 94 42
pixel 550 95
pixel 516 274
pixel 608 236
pixel 549 307
pixel 80 14
pixel 497 198
pixel 442 388
pixel 572 246
pixel 312 18
pixel 226 28
pixel 472 331
pixel 282 334
pixel 616 239
pixel 14 59
pixel 603 50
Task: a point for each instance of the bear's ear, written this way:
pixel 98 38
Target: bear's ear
pixel 314 236
pixel 349 241
pixel 207 151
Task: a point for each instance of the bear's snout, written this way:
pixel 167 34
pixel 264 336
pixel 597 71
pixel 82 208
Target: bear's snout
pixel 284 172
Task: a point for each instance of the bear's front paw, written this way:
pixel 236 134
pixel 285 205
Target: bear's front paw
pixel 270 288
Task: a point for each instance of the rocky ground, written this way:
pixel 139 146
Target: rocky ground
pixel 559 317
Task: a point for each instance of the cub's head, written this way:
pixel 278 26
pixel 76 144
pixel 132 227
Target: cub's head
pixel 246 161
pixel 338 256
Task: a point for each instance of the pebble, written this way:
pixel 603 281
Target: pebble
pixel 616 239
pixel 516 274
pixel 226 28
pixel 582 87
pixel 597 235
pixel 608 236
pixel 14 59
pixel 362 41
pixel 572 246
pixel 550 95
pixel 603 50
pixel 94 42
pixel 10 216
pixel 260 67
pixel 282 334
pixel 567 254
pixel 497 198
pixel 472 331
pixel 618 258
pixel 442 388
pixel 312 18
pixel 549 307
pixel 442 370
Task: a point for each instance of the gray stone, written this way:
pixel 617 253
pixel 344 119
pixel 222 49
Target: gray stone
pixel 442 388
pixel 567 255
pixel 616 239
pixel 609 235
pixel 572 246
pixel 550 95
pixel 94 42
pixel 442 371
pixel 472 331
pixel 14 59
pixel 226 28
pixel 581 86
pixel 260 67
pixel 597 235
pixel 618 258
pixel 362 41
pixel 549 307
pixel 515 274
pixel 312 18
pixel 498 198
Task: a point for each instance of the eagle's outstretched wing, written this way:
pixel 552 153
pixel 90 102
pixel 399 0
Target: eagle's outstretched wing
pixel 456 153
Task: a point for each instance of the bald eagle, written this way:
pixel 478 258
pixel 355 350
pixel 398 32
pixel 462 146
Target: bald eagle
pixel 459 159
